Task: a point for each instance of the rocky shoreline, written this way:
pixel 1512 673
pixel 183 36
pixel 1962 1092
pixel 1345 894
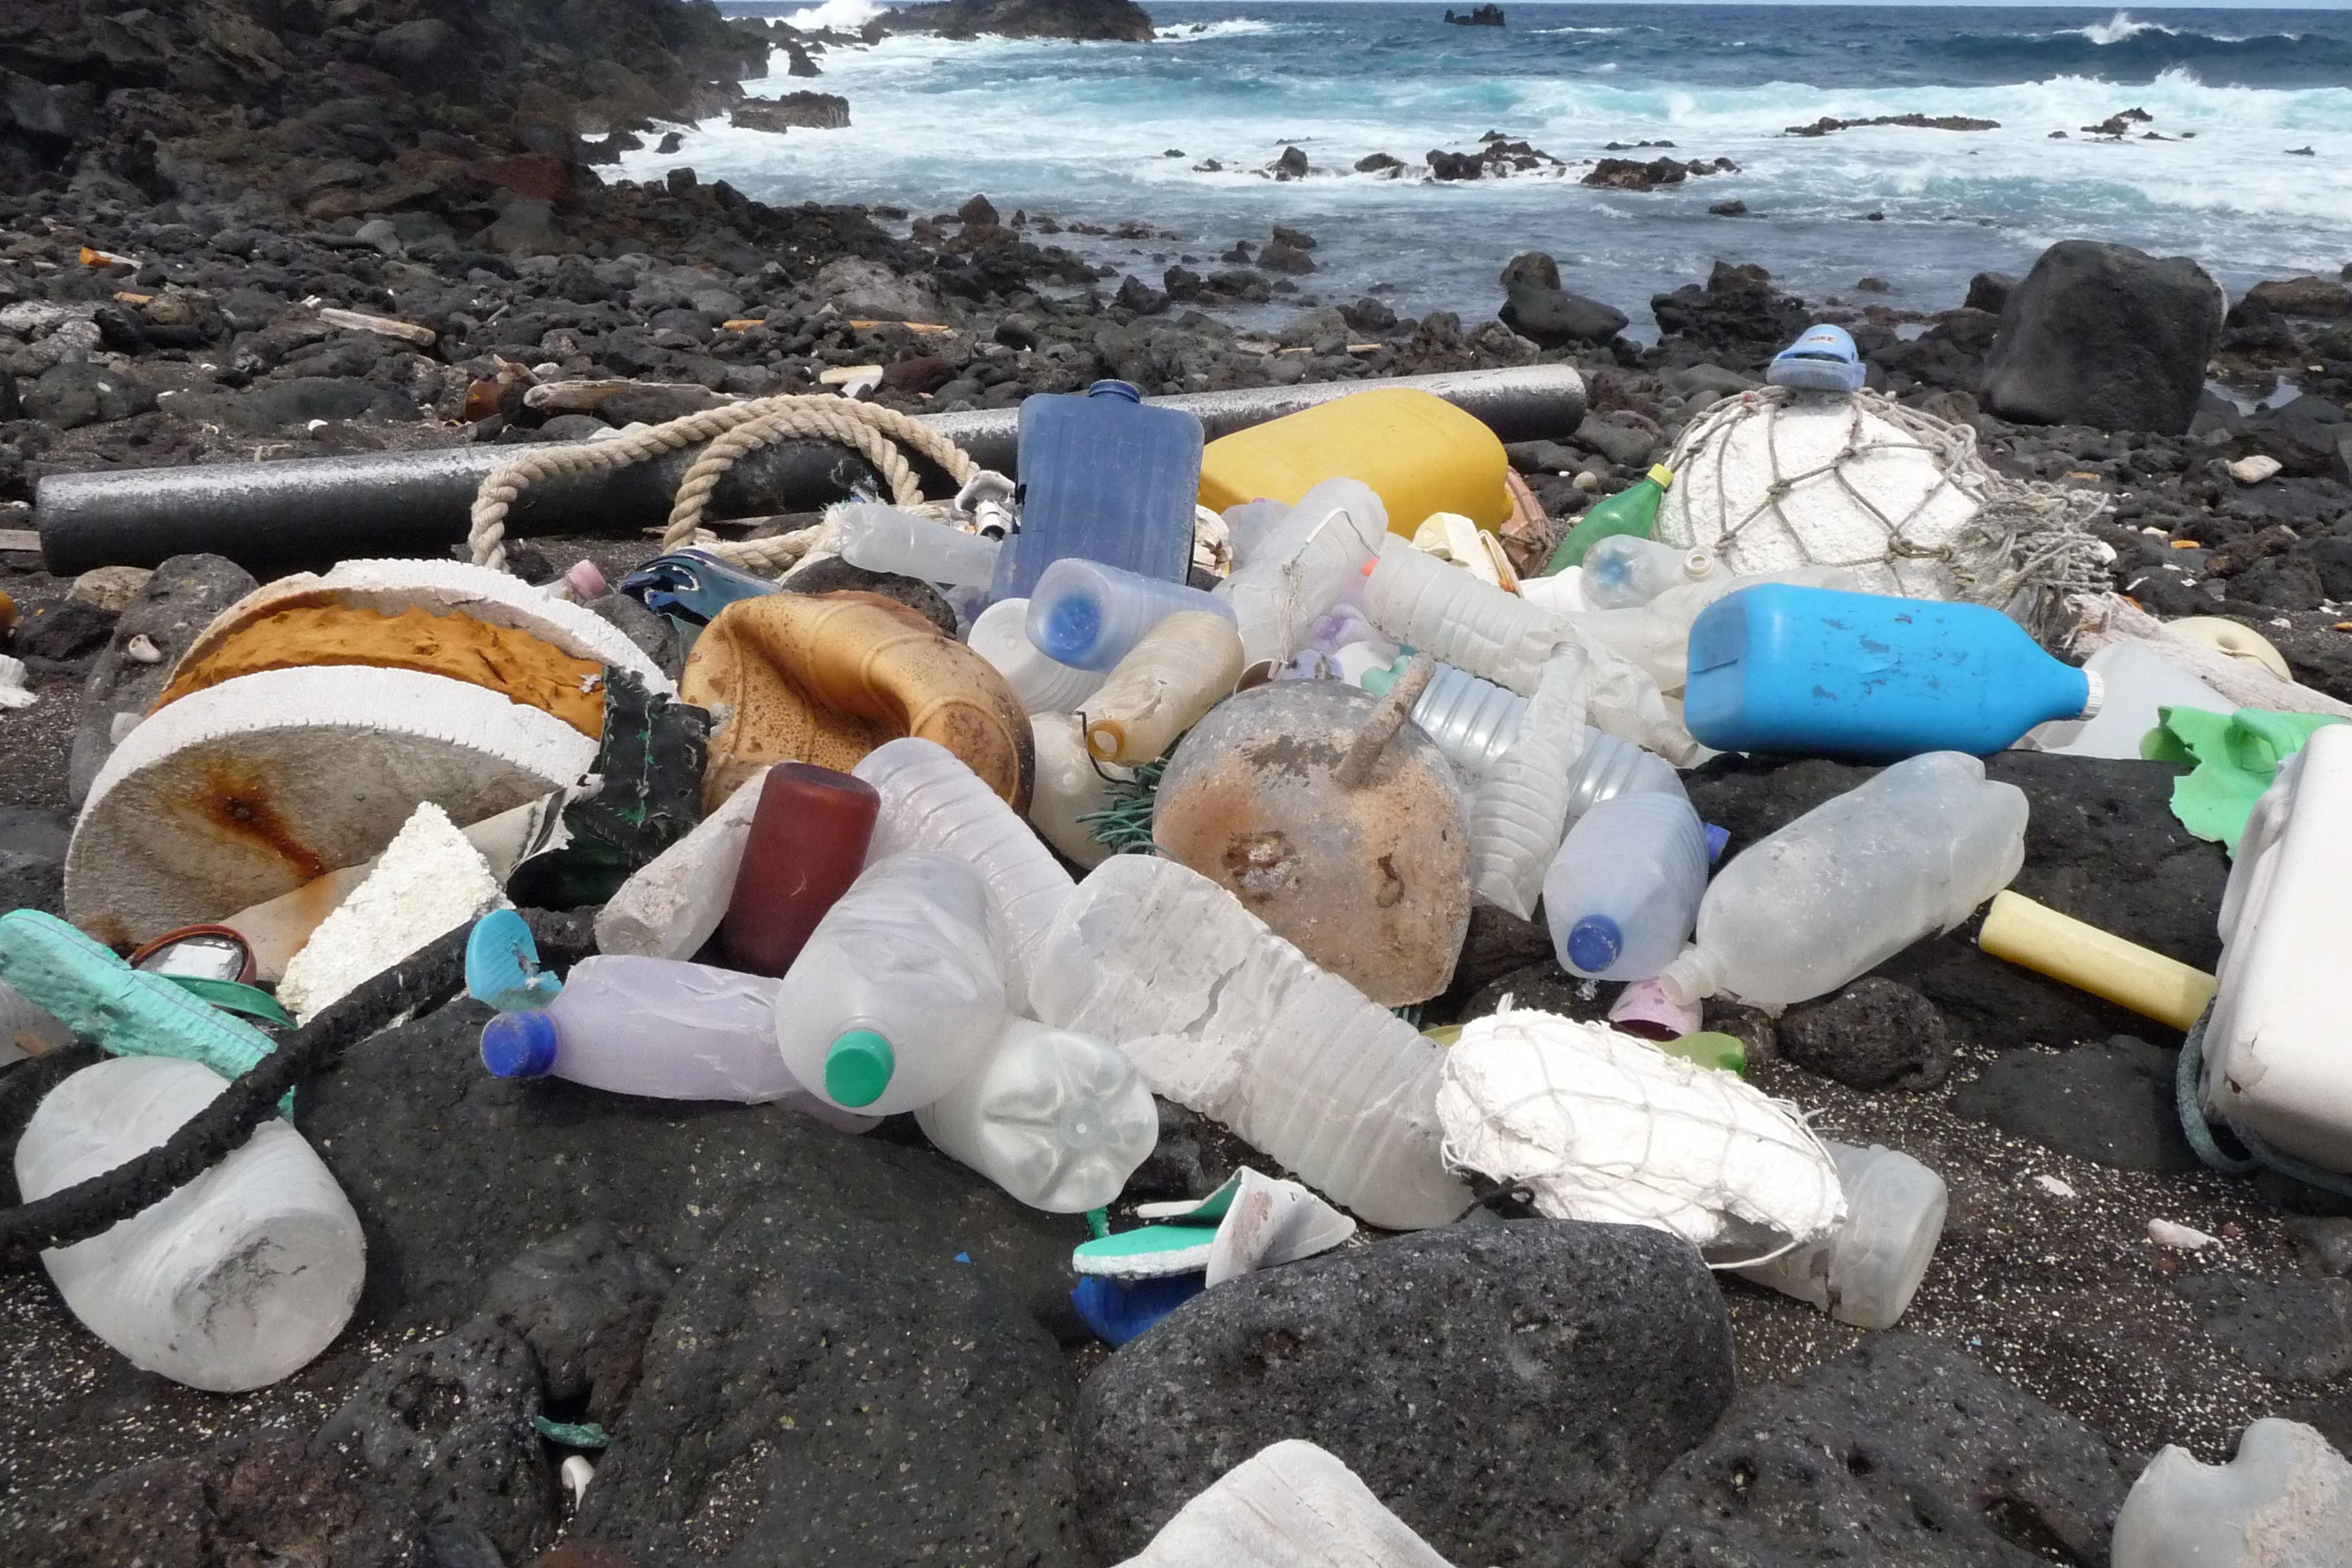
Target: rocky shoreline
pixel 185 194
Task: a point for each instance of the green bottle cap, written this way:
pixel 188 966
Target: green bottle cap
pixel 858 1068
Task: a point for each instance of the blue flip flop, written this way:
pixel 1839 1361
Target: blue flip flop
pixel 1822 359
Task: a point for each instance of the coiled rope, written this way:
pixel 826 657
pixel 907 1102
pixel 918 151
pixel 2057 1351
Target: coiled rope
pixel 2188 1075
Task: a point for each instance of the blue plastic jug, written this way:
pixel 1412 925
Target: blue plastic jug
pixel 1778 668
pixel 1105 477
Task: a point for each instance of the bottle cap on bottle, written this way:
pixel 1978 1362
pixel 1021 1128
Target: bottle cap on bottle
pixel 1663 474
pixel 857 1068
pixel 519 1045
pixel 1594 942
pixel 2095 694
pixel 1073 627
pixel 1125 389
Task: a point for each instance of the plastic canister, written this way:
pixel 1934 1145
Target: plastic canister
pixel 1418 452
pixel 1107 477
pixel 1868 1271
pixel 1089 615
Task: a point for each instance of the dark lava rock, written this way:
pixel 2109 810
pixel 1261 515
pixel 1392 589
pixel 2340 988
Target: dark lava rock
pixel 62 631
pixel 1497 944
pixel 1507 1390
pixel 2295 1327
pixel 1296 239
pixel 309 397
pixel 1874 1034
pixel 1900 1451
pixel 2111 1103
pixel 2106 336
pixel 2306 297
pixel 33 859
pixel 834 574
pixel 1989 292
pixel 1738 315
pixel 1734 208
pixel 807 110
pixel 584 1302
pixel 446 1426
pixel 1444 165
pixel 2324 1245
pixel 1289 258
pixel 823 1388
pixel 1631 175
pixel 1544 987
pixel 1377 163
pixel 171 608
pixel 83 391
pixel 979 211
pixel 1536 307
pixel 1097 21
pixel 1627 446
pixel 2303 435
pixel 1292 164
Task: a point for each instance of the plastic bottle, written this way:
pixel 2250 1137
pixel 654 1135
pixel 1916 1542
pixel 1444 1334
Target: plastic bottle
pixel 1853 882
pixel 884 539
pixel 899 991
pixel 1655 633
pixel 807 844
pixel 1106 478
pixel 1001 635
pixel 1416 451
pixel 1623 892
pixel 1609 766
pixel 1183 666
pixel 1091 616
pixel 2134 681
pixel 1451 616
pixel 230 1283
pixel 1627 569
pixel 660 1028
pixel 1222 1015
pixel 1631 510
pixel 1057 1119
pixel 1071 786
pixel 2284 1501
pixel 1301 566
pixel 1868 1271
pixel 1778 668
pixel 1473 721
pixel 1521 807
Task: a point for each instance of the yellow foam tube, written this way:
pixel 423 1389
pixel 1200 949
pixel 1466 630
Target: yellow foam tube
pixel 1418 452
pixel 2041 938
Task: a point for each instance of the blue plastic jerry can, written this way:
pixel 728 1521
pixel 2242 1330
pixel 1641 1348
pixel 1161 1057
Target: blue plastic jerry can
pixel 1778 668
pixel 1107 477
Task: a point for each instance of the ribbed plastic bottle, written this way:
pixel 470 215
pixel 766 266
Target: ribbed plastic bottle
pixel 1058 1119
pixel 1105 477
pixel 1853 882
pixel 932 801
pixel 1473 721
pixel 1085 614
pixel 884 539
pixel 1222 1016
pixel 1448 614
pixel 1001 635
pixel 1623 892
pixel 807 844
pixel 1520 809
pixel 233 1281
pixel 1301 566
pixel 1070 785
pixel 899 991
pixel 1868 1271
pixel 1183 666
pixel 1626 569
pixel 1609 766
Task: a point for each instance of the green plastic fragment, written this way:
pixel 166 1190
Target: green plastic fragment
pixel 1099 1222
pixel 572 1433
pixel 2237 756
pixel 1709 1049
pixel 235 997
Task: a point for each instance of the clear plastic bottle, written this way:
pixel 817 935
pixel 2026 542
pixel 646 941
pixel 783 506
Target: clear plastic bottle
pixel 1300 566
pixel 1473 721
pixel 884 539
pixel 1610 767
pixel 233 1281
pixel 1456 619
pixel 2136 680
pixel 1091 616
pixel 898 992
pixel 1853 882
pixel 1221 1014
pixel 1001 635
pixel 1623 892
pixel 1868 1271
pixel 1521 807
pixel 1184 665
pixel 1058 1119
pixel 1625 569
pixel 1655 633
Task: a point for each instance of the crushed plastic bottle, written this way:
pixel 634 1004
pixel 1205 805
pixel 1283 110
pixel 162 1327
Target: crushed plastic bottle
pixel 884 539
pixel 1868 1273
pixel 1623 892
pixel 1300 566
pixel 1056 1117
pixel 1001 635
pixel 1089 615
pixel 1183 666
pixel 1627 569
pixel 1522 805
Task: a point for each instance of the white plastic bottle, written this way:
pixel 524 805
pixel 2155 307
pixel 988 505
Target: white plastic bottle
pixel 2134 682
pixel 1088 615
pixel 1520 808
pixel 232 1282
pixel 1623 892
pixel 1070 784
pixel 1853 882
pixel 1001 635
pixel 1058 1119
pixel 658 1027
pixel 884 539
pixel 1473 721
pixel 1300 566
pixel 1221 1014
pixel 1655 633
pixel 1868 1273
pixel 933 801
pixel 899 990
pixel 2284 1501
pixel 1451 616
pixel 1625 569
pixel 1183 666
pixel 1610 767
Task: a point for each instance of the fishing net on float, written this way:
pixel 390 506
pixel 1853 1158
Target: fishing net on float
pixel 1774 479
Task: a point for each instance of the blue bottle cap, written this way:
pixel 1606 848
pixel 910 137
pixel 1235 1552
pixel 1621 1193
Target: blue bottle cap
pixel 1125 389
pixel 1717 839
pixel 519 1045
pixel 1594 944
pixel 857 1068
pixel 1073 626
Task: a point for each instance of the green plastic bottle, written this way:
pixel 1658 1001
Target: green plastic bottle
pixel 1633 510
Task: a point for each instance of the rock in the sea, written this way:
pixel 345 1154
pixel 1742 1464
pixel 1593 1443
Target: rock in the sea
pixel 2295 1327
pixel 1536 307
pixel 2110 1103
pixel 170 609
pixel 1291 165
pixel 1900 1451
pixel 1507 1390
pixel 1989 292
pixel 2310 297
pixel 1378 163
pixel 1874 1034
pixel 2106 336
pixel 804 110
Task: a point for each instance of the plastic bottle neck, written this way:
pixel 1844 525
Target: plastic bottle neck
pixel 1693 977
pixel 1125 389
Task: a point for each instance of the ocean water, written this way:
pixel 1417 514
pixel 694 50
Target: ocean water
pixel 1084 131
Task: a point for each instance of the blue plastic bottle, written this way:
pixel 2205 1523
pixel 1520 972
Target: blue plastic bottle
pixel 1105 477
pixel 1778 668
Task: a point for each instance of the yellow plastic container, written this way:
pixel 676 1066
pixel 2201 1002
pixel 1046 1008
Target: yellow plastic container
pixel 2061 947
pixel 1419 453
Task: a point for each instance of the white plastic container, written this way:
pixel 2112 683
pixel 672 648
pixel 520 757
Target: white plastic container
pixel 1291 1506
pixel 899 991
pixel 1625 569
pixel 1184 665
pixel 1001 635
pixel 1056 1117
pixel 239 1278
pixel 1521 806
pixel 1300 566
pixel 2276 1059
pixel 1853 882
pixel 1222 1016
pixel 1451 616
pixel 1868 1273
pixel 2134 682
pixel 1070 784
pixel 1623 892
pixel 2285 1501
pixel 1085 614
pixel 884 539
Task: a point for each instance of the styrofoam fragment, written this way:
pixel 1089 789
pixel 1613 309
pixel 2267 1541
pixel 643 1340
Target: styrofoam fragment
pixel 670 905
pixel 429 881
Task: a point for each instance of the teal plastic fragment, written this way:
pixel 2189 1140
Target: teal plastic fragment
pixel 572 1434
pixel 502 965
pixel 235 997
